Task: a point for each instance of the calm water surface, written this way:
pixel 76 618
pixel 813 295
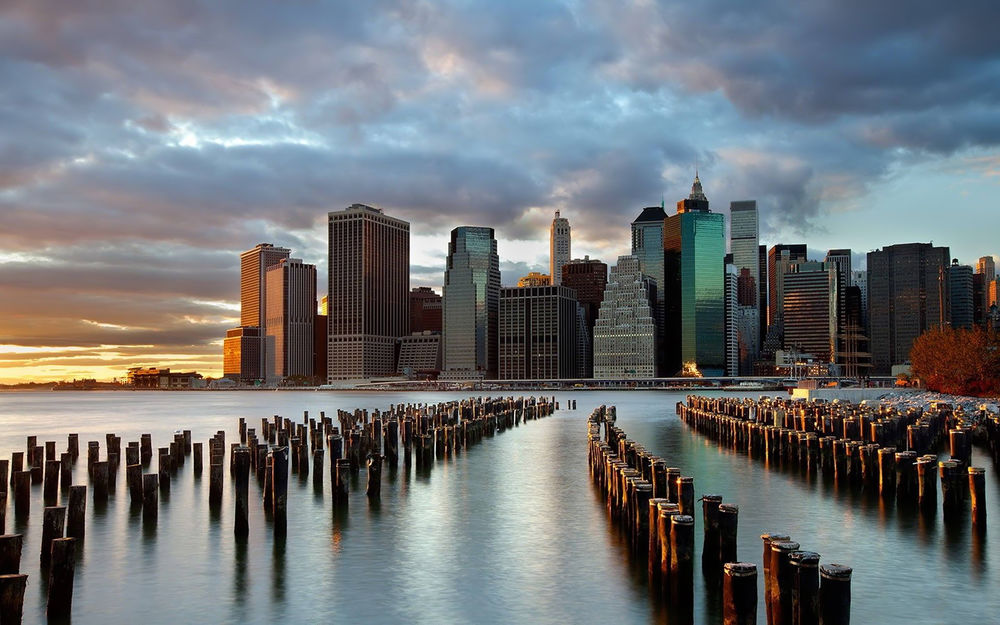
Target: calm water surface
pixel 511 531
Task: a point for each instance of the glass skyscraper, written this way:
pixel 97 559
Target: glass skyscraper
pixel 694 246
pixel 471 302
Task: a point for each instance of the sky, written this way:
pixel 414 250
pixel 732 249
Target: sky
pixel 144 144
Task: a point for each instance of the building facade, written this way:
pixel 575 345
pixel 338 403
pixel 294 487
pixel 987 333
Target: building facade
pixel 290 322
pixel 588 278
pixel 780 259
pixel 907 294
pixel 471 303
pixel 535 279
pixel 694 246
pixel 254 264
pixel 811 310
pixel 960 291
pixel 426 311
pixel 420 355
pixel 538 333
pixel 241 354
pixel 744 245
pixel 368 291
pixel 647 246
pixel 560 250
pixel 625 331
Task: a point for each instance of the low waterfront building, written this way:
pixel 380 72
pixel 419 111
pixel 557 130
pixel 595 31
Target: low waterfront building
pixel 163 378
pixel 419 354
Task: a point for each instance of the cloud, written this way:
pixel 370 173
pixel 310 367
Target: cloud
pixel 146 144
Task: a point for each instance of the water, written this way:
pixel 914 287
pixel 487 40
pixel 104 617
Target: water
pixel 511 531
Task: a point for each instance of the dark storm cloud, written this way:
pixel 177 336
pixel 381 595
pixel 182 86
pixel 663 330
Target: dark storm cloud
pixel 144 144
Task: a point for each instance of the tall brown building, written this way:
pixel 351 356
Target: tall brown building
pixel 588 278
pixel 425 310
pixel 369 285
pixel 253 270
pixel 291 313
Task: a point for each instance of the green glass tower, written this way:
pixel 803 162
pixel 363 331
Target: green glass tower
pixel 694 248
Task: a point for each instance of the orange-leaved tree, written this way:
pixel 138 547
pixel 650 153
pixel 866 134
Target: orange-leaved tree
pixel 958 361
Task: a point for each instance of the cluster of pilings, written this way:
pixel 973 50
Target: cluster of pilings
pixel 62 525
pixel 860 447
pixel 425 433
pixel 654 505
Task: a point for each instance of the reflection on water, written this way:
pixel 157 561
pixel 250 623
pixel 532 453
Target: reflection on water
pixel 509 531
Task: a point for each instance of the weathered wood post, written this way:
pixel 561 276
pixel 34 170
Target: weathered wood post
pixel 710 550
pixel 101 481
pixel 977 488
pixel 805 587
pixel 53 524
pixel 197 458
pixel 768 538
pixel 835 594
pixel 886 471
pixel 133 476
pixel 150 496
pixel 61 577
pixel 51 489
pixel 374 490
pixel 279 484
pixel 65 471
pixel 241 525
pixel 927 483
pixel 951 489
pixel 318 469
pixel 340 482
pixel 682 560
pixel 76 522
pixel 73 445
pixel 685 495
pixel 3 511
pixel 12 598
pixel 215 480
pixel 16 464
pixel 781 582
pixel 739 593
pixel 37 465
pixel 4 475
pixel 146 449
pixel 728 529
pixel 10 553
pixel 22 494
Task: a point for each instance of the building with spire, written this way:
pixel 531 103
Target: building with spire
pixel 625 332
pixel 559 247
pixel 694 249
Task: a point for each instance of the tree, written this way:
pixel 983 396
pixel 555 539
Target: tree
pixel 958 361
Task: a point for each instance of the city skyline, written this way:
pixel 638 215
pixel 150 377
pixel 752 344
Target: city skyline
pixel 132 175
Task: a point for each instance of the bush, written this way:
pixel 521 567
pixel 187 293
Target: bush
pixel 958 361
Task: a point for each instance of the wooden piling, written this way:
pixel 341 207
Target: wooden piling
pixel 781 582
pixel 682 560
pixel 768 538
pixel 977 489
pixel 318 469
pixel 710 550
pixel 374 490
pixel 805 587
pixel 685 495
pixel 61 577
pixel 739 593
pixel 16 464
pixel 150 496
pixel 73 445
pixel 22 494
pixel 728 530
pixel 197 458
pixel 133 477
pixel 3 511
pixel 927 483
pixel 341 477
pixel 279 484
pixel 12 598
pixel 50 491
pixel 101 480
pixel 76 517
pixel 65 471
pixel 241 525
pixel 835 594
pixel 53 525
pixel 215 481
pixel 10 553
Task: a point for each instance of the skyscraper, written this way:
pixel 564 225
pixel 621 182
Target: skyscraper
pixel 241 354
pixel 647 247
pixel 253 269
pixel 732 330
pixel 537 333
pixel 368 298
pixel 559 247
pixel 291 317
pixel 810 304
pixel 907 294
pixel 694 245
pixel 984 278
pixel 744 245
pixel 986 266
pixel 625 333
pixel 960 289
pixel 253 311
pixel 779 259
pixel 588 278
pixel 471 301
